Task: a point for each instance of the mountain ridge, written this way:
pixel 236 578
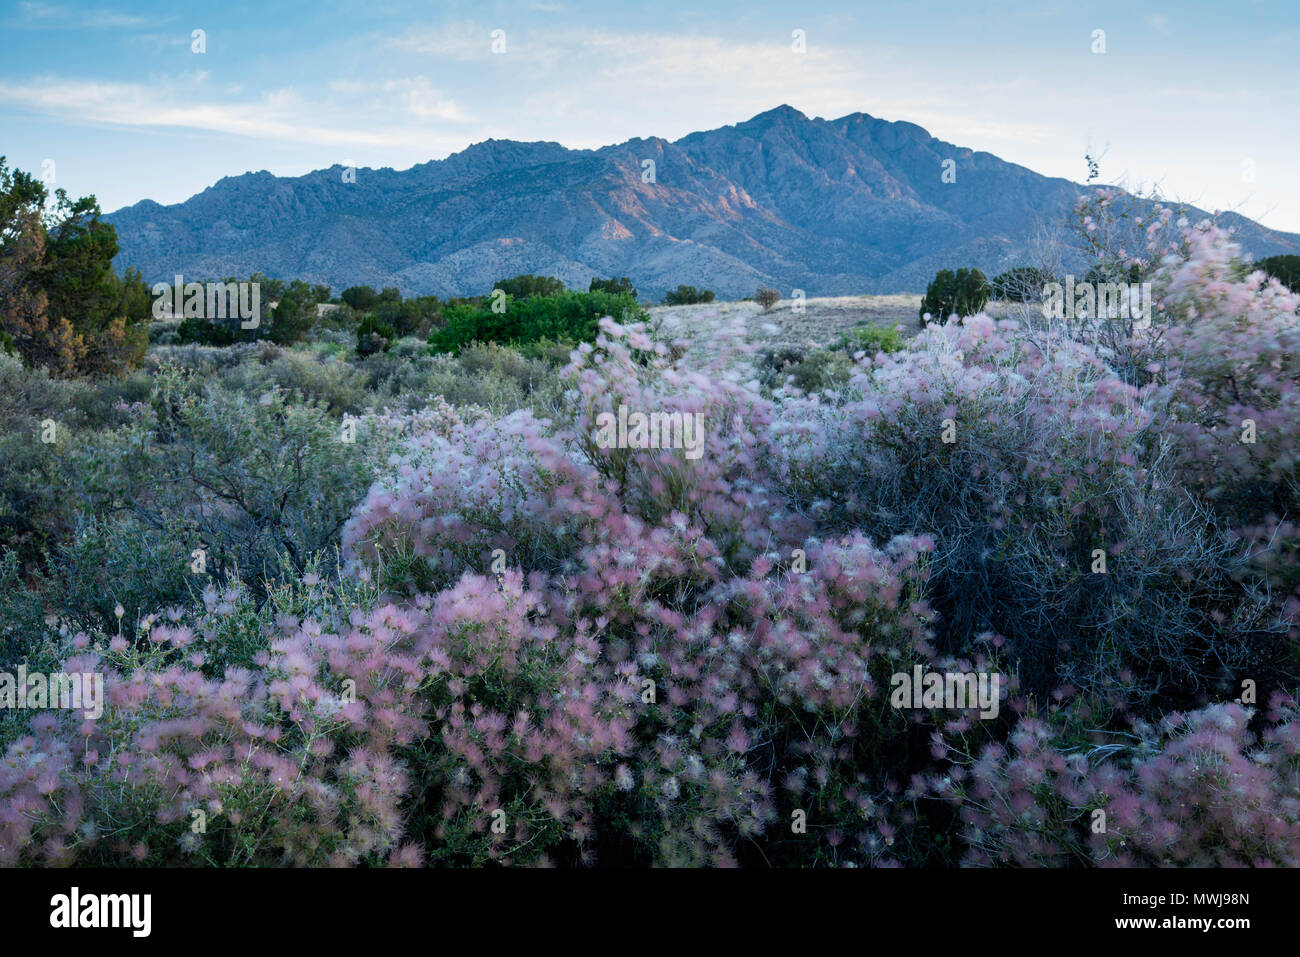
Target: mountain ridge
pixel 833 207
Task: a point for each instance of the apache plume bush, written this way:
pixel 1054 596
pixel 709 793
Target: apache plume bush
pixel 1197 790
pixel 1031 463
pixel 541 650
pixel 191 763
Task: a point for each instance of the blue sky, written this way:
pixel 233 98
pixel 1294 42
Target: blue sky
pixel 1197 97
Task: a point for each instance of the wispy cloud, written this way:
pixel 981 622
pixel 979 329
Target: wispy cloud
pixel 415 96
pixel 52 16
pixel 277 115
pixel 455 41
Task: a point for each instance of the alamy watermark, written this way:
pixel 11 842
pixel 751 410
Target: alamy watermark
pixel 1096 300
pixel 76 910
pixel 947 689
pixel 209 300
pixel 79 691
pixel 656 430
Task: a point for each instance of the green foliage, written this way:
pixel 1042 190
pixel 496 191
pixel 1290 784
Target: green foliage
pixel 24 632
pixel 687 296
pixel 1285 269
pixel 554 352
pixel 61 304
pixel 523 287
pixel 962 293
pixel 616 286
pixel 295 312
pixel 360 298
pixel 568 315
pixel 136 301
pixel 807 371
pixel 403 318
pixel 374 336
pixel 204 333
pixel 316 375
pixel 872 339
pixel 252 480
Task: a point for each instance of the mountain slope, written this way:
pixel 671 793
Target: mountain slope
pixel 833 207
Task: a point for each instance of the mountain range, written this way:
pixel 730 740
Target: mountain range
pixel 832 207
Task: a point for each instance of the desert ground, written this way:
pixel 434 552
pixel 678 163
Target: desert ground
pixel 820 323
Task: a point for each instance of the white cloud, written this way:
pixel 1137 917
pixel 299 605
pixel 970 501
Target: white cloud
pixel 277 115
pixel 33 13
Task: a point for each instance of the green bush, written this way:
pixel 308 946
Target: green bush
pixel 687 296
pixel 1285 269
pixel 374 336
pixel 204 333
pixel 248 478
pixel 616 286
pixel 524 287
pixel 554 352
pixel 962 293
pixel 360 298
pixel 872 339
pixel 568 315
pixel 805 370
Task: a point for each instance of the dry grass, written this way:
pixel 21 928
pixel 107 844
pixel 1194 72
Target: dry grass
pixel 820 323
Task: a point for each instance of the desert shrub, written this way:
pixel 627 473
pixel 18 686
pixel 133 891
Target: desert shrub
pixel 1223 352
pixel 612 543
pixel 25 633
pixel 333 339
pixel 1031 463
pixel 687 296
pixel 554 352
pixel 1021 284
pixel 373 336
pixel 1228 353
pixel 158 331
pixel 281 764
pixel 408 347
pixel 624 367
pixel 247 478
pixel 962 293
pixel 1196 789
pixel 416 382
pixel 34 506
pixel 204 333
pixel 872 339
pixel 329 380
pixel 767 298
pixel 811 370
pixel 112 561
pixel 298 726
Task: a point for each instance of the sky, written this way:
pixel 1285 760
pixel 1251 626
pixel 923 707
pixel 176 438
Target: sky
pixel 122 101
